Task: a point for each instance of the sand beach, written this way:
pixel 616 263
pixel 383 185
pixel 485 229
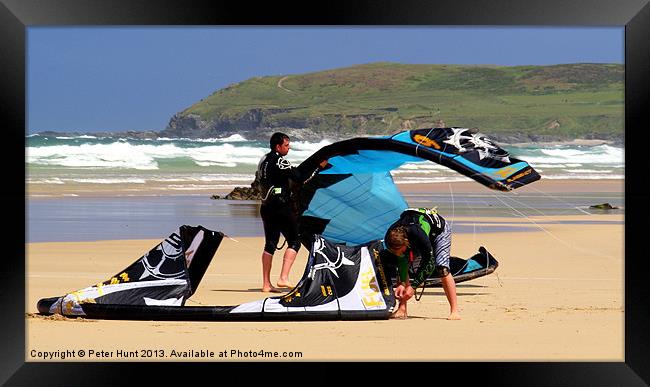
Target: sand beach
pixel 558 295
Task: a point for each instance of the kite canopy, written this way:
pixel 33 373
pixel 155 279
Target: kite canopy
pixel 166 275
pixel 354 199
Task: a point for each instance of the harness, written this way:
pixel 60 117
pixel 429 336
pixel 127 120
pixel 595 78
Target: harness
pixel 272 191
pixel 431 214
pixel 261 179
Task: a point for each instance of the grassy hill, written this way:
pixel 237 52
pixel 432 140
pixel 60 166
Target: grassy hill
pixel 562 101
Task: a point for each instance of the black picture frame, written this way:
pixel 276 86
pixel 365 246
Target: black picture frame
pixel 17 15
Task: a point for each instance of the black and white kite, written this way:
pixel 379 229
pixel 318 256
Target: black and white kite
pixel 339 283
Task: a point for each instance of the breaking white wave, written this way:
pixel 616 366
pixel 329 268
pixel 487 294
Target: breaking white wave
pixel 232 160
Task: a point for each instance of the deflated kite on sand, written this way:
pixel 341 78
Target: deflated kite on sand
pixel 339 283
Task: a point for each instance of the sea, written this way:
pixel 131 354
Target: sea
pixel 88 187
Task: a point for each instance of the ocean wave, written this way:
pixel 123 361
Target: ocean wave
pixel 603 154
pixel 140 156
pixel 216 164
pixel 109 181
pixel 194 187
pixel 177 179
pixel 233 138
pixel 226 155
pixel 206 178
pixel 55 180
pixel 232 160
pixel 587 171
pixel 114 180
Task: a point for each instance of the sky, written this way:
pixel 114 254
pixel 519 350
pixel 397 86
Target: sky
pixel 90 79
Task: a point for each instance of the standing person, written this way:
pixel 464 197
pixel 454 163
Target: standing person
pixel 420 235
pixel 274 173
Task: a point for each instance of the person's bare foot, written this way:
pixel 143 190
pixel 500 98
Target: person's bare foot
pixel 285 284
pixel 454 316
pixel 399 314
pixel 271 290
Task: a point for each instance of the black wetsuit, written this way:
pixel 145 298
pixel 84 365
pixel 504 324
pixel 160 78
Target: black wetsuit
pixel 277 214
pixel 429 238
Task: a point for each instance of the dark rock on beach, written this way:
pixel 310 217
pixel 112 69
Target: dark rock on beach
pixel 241 193
pixel 604 206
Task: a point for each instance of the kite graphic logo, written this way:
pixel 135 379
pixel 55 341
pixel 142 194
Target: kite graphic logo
pixel 284 163
pixel 455 139
pixel 426 141
pixel 519 176
pixel 505 172
pixel 161 262
pixel 380 269
pixel 290 296
pixel 370 287
pixel 484 146
pixel 329 265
